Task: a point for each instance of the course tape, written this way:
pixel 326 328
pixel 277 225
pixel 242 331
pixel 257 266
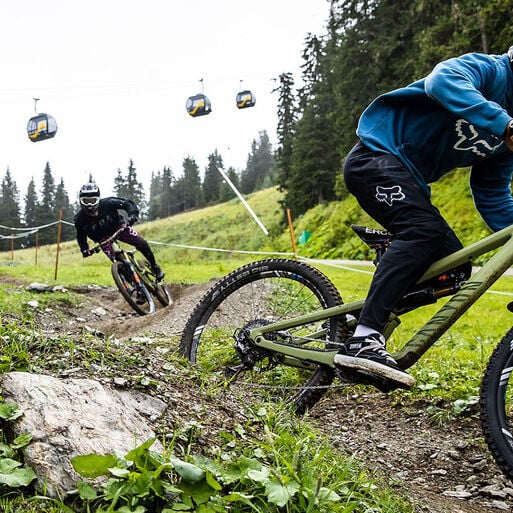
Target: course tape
pixel 31 229
pixel 340 264
pixel 204 248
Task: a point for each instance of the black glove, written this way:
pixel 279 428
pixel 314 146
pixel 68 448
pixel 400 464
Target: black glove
pixel 86 253
pixel 508 135
pixel 132 220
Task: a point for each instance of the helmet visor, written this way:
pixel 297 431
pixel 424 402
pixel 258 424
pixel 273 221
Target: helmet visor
pixel 90 201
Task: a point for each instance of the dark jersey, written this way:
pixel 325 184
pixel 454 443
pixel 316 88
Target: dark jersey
pixel 109 218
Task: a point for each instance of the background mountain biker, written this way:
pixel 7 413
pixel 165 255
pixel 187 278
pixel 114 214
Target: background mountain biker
pixel 99 218
pixel 460 115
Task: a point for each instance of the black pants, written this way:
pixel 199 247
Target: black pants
pixel 387 191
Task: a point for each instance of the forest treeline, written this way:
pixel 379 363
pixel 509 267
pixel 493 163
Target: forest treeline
pixel 368 47
pixel 41 208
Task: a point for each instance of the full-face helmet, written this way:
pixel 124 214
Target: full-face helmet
pixel 89 197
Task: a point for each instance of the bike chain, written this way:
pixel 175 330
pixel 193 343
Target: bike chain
pixel 316 387
pixel 344 384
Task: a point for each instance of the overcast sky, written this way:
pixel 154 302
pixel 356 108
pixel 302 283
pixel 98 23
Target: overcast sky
pixel 116 74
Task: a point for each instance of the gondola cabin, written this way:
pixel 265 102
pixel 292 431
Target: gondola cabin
pixel 245 99
pixel 40 127
pixel 198 105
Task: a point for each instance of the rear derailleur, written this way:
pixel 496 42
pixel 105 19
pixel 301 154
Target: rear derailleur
pixel 249 354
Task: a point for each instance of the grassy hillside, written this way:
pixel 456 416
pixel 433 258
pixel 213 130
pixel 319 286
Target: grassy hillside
pixel 448 377
pixel 229 226
pixel 330 224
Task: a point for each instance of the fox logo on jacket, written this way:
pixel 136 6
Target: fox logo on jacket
pixel 470 140
pixel 389 194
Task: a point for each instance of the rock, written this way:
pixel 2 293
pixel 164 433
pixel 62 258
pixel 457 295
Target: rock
pixel 500 505
pixel 70 417
pixel 94 331
pixel 459 494
pixel 39 287
pixel 494 491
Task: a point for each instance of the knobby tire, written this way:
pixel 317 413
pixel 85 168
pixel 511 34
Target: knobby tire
pixel 159 289
pixel 496 404
pixel 256 294
pixel 127 286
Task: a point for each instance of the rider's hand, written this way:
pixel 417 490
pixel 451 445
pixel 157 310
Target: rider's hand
pixel 508 135
pixel 132 220
pixel 86 253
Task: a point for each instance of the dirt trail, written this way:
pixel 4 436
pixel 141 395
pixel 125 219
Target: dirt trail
pixel 442 469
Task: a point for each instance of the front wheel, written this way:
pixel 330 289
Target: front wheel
pixel 251 296
pixel 135 293
pixel 497 404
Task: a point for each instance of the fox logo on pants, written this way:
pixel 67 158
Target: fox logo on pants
pixel 389 194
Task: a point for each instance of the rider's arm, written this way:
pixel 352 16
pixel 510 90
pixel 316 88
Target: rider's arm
pixel 473 87
pixel 490 182
pixel 127 205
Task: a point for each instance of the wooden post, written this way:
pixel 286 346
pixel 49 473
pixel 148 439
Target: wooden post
pixel 59 228
pixel 291 230
pixel 37 246
pixel 12 246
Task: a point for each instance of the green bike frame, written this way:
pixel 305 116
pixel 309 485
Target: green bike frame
pixel 430 332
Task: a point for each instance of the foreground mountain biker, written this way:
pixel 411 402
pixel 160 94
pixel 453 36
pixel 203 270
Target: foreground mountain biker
pixel 98 218
pixel 460 115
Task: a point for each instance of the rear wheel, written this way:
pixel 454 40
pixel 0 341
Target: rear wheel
pixel 163 294
pixel 159 289
pixel 497 404
pixel 251 296
pixel 136 294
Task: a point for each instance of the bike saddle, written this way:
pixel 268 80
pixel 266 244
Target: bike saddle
pixel 372 236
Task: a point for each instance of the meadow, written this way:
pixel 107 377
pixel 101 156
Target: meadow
pixel 198 246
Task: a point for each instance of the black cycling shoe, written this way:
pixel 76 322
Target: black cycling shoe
pixel 158 272
pixel 369 354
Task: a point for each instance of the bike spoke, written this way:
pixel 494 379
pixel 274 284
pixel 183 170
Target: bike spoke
pixel 216 335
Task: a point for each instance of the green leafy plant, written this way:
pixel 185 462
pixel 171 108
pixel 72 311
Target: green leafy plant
pixel 289 469
pixel 13 474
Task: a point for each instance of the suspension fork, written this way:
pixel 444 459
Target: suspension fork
pixel 129 267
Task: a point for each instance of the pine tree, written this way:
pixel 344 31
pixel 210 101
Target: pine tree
pixel 30 210
pixel 189 193
pixel 155 201
pixel 120 185
pixel 287 116
pixel 168 206
pixel 62 202
pixel 10 211
pixel 259 165
pixel 46 209
pixel 213 178
pixel 135 189
pixel 227 193
pixel 130 188
pixel 31 205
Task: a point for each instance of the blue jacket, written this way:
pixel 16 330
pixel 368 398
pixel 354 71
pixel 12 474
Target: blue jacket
pixel 455 117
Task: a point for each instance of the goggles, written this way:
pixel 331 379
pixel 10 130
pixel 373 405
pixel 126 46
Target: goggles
pixel 90 201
